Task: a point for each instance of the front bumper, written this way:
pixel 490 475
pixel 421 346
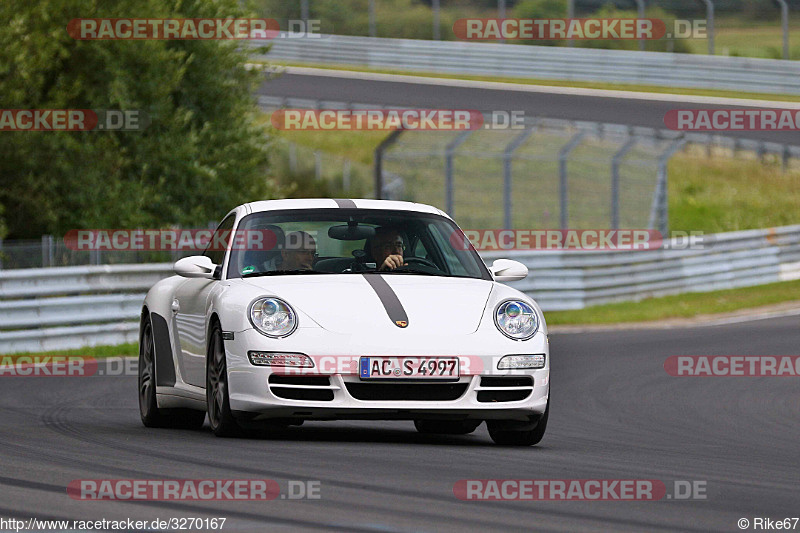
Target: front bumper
pixel 261 393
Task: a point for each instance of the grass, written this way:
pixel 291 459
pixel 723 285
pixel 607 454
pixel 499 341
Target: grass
pixel 98 352
pixel 680 306
pixel 555 83
pixel 739 37
pixel 716 195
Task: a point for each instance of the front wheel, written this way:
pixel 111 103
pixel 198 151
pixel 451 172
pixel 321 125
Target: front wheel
pixel 217 400
pixel 530 437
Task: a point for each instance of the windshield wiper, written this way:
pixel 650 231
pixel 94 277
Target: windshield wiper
pixel 281 273
pixel 405 270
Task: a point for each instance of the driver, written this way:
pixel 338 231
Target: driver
pixel 387 248
pixel 299 251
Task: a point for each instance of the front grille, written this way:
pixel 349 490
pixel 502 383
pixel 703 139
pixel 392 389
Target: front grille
pixel 406 391
pixel 512 395
pixel 503 381
pixel 305 388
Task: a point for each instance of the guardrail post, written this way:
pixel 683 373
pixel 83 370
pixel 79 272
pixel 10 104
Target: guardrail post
pixel 640 5
pixel 563 193
pixel 710 25
pixel 615 161
pixel 659 212
pixel 448 170
pixel 785 25
pixel 507 155
pixel 385 143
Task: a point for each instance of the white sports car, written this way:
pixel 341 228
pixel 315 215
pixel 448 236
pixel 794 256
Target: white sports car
pixel 328 309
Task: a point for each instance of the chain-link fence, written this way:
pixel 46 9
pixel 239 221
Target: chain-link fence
pixel 554 174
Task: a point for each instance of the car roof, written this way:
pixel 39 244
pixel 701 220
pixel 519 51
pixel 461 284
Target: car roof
pixel 329 203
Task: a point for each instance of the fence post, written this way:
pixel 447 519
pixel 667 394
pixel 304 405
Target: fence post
pixel 710 26
pixel 317 165
pixel 448 170
pixel 640 5
pixel 385 143
pixel 501 12
pixel 436 30
pixel 784 162
pixel 615 161
pixel 292 158
pixel 304 10
pixel 570 15
pixel 563 193
pixel 47 251
pixel 346 175
pixel 785 25
pixel 507 155
pixel 659 209
pixel 1 253
pixel 373 32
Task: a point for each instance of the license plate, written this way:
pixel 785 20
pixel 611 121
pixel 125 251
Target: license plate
pixel 433 368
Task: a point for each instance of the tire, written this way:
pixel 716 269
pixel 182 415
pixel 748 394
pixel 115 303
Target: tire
pixel 446 427
pixel 530 437
pixel 151 415
pixel 218 405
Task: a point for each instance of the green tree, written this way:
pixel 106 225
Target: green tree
pixel 202 153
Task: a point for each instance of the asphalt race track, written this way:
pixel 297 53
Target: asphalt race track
pixel 556 104
pixel 616 414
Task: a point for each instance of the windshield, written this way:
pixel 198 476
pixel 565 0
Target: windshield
pixel 347 241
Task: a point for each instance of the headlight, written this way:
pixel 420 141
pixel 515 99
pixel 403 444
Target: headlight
pixel 516 320
pixel 273 317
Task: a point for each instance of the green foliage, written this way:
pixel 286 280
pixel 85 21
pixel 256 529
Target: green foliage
pixel 660 45
pixel 407 19
pixel 202 153
pixel 541 9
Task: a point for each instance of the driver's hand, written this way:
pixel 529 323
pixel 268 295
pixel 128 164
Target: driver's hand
pixel 392 262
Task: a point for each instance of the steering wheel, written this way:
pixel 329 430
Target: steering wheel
pixel 421 261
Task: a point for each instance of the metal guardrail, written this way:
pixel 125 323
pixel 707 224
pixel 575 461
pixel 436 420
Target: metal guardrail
pixel 544 62
pixel 72 307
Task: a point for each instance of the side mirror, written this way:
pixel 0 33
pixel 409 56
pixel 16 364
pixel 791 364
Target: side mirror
pixel 508 270
pixel 196 266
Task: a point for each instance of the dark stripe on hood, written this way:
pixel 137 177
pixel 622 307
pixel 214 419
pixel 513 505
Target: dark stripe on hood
pixel 397 314
pixel 345 204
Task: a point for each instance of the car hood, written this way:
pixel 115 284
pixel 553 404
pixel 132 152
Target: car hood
pixel 347 303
